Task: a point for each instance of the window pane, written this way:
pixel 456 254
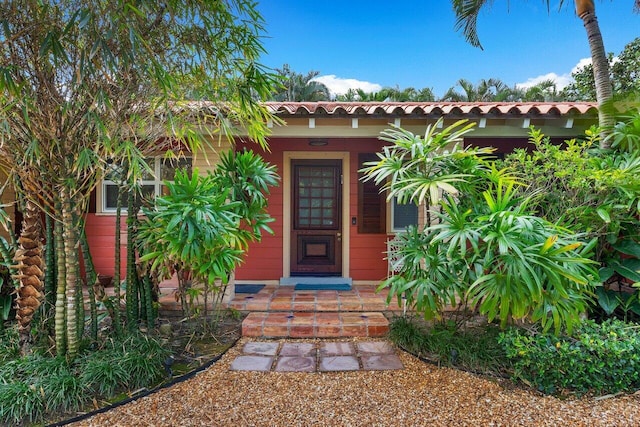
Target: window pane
pixel 148 193
pixel 169 167
pixel 111 197
pixel 114 173
pixel 146 176
pixel 404 215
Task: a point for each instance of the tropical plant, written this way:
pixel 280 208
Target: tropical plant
pixel 595 193
pixel 499 259
pixel 601 358
pixel 625 136
pixel 296 87
pixel 80 79
pixel 202 227
pixel 388 94
pixel 545 90
pixel 467 12
pixel 418 170
pixel 581 188
pixel 485 249
pixel 485 90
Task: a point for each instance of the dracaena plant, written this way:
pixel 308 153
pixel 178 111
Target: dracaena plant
pixel 203 225
pixel 420 169
pixel 485 250
pixel 499 259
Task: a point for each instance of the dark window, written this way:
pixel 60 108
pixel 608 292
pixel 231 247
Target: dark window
pixel 372 207
pixel 403 215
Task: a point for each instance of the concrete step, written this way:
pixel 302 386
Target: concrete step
pixel 315 324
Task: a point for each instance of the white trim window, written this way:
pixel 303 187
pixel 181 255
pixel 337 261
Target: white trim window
pixel 151 183
pixel 403 215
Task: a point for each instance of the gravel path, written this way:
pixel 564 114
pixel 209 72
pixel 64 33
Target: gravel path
pixel 420 394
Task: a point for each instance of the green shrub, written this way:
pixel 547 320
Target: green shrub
pixel 64 391
pixel 9 344
pixel 408 335
pixel 43 383
pixel 143 360
pixel 601 358
pixel 487 250
pixel 102 375
pixel 475 349
pixel 20 401
pixel 31 387
pixel 139 364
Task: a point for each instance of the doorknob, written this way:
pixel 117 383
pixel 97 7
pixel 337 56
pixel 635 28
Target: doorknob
pixel 339 236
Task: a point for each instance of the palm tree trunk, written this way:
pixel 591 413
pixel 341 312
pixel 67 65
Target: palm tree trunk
pixel 30 266
pixel 587 12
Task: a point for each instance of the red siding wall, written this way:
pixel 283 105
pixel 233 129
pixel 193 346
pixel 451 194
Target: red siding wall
pixel 264 260
pixel 101 237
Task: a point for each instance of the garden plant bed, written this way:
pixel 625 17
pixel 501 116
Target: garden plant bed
pixel 419 394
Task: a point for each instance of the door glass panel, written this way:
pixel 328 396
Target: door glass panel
pixel 316 188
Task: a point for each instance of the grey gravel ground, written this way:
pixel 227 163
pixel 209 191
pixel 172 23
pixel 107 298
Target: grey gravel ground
pixel 420 394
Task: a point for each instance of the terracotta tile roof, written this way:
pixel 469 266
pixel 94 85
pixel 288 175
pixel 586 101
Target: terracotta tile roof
pixel 404 109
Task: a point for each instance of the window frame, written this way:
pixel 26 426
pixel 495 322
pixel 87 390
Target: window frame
pixel 370 196
pixel 157 182
pixel 392 216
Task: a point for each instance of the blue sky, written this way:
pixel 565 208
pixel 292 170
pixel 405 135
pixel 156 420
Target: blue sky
pixel 412 43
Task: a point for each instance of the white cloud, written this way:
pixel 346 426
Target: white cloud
pixel 340 86
pixel 581 64
pixel 562 80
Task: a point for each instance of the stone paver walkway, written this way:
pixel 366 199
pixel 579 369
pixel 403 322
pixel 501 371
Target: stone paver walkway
pixel 323 356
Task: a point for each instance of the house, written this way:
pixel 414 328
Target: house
pixel 329 222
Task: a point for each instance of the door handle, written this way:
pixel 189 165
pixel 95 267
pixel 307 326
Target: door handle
pixel 339 236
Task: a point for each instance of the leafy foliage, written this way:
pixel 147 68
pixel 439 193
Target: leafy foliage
pixel 21 401
pixel 205 223
pixel 418 169
pixel 102 375
pixel 33 386
pixel 626 133
pixel 596 192
pixel 604 358
pixel 484 248
pixel 623 71
pixel 476 348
